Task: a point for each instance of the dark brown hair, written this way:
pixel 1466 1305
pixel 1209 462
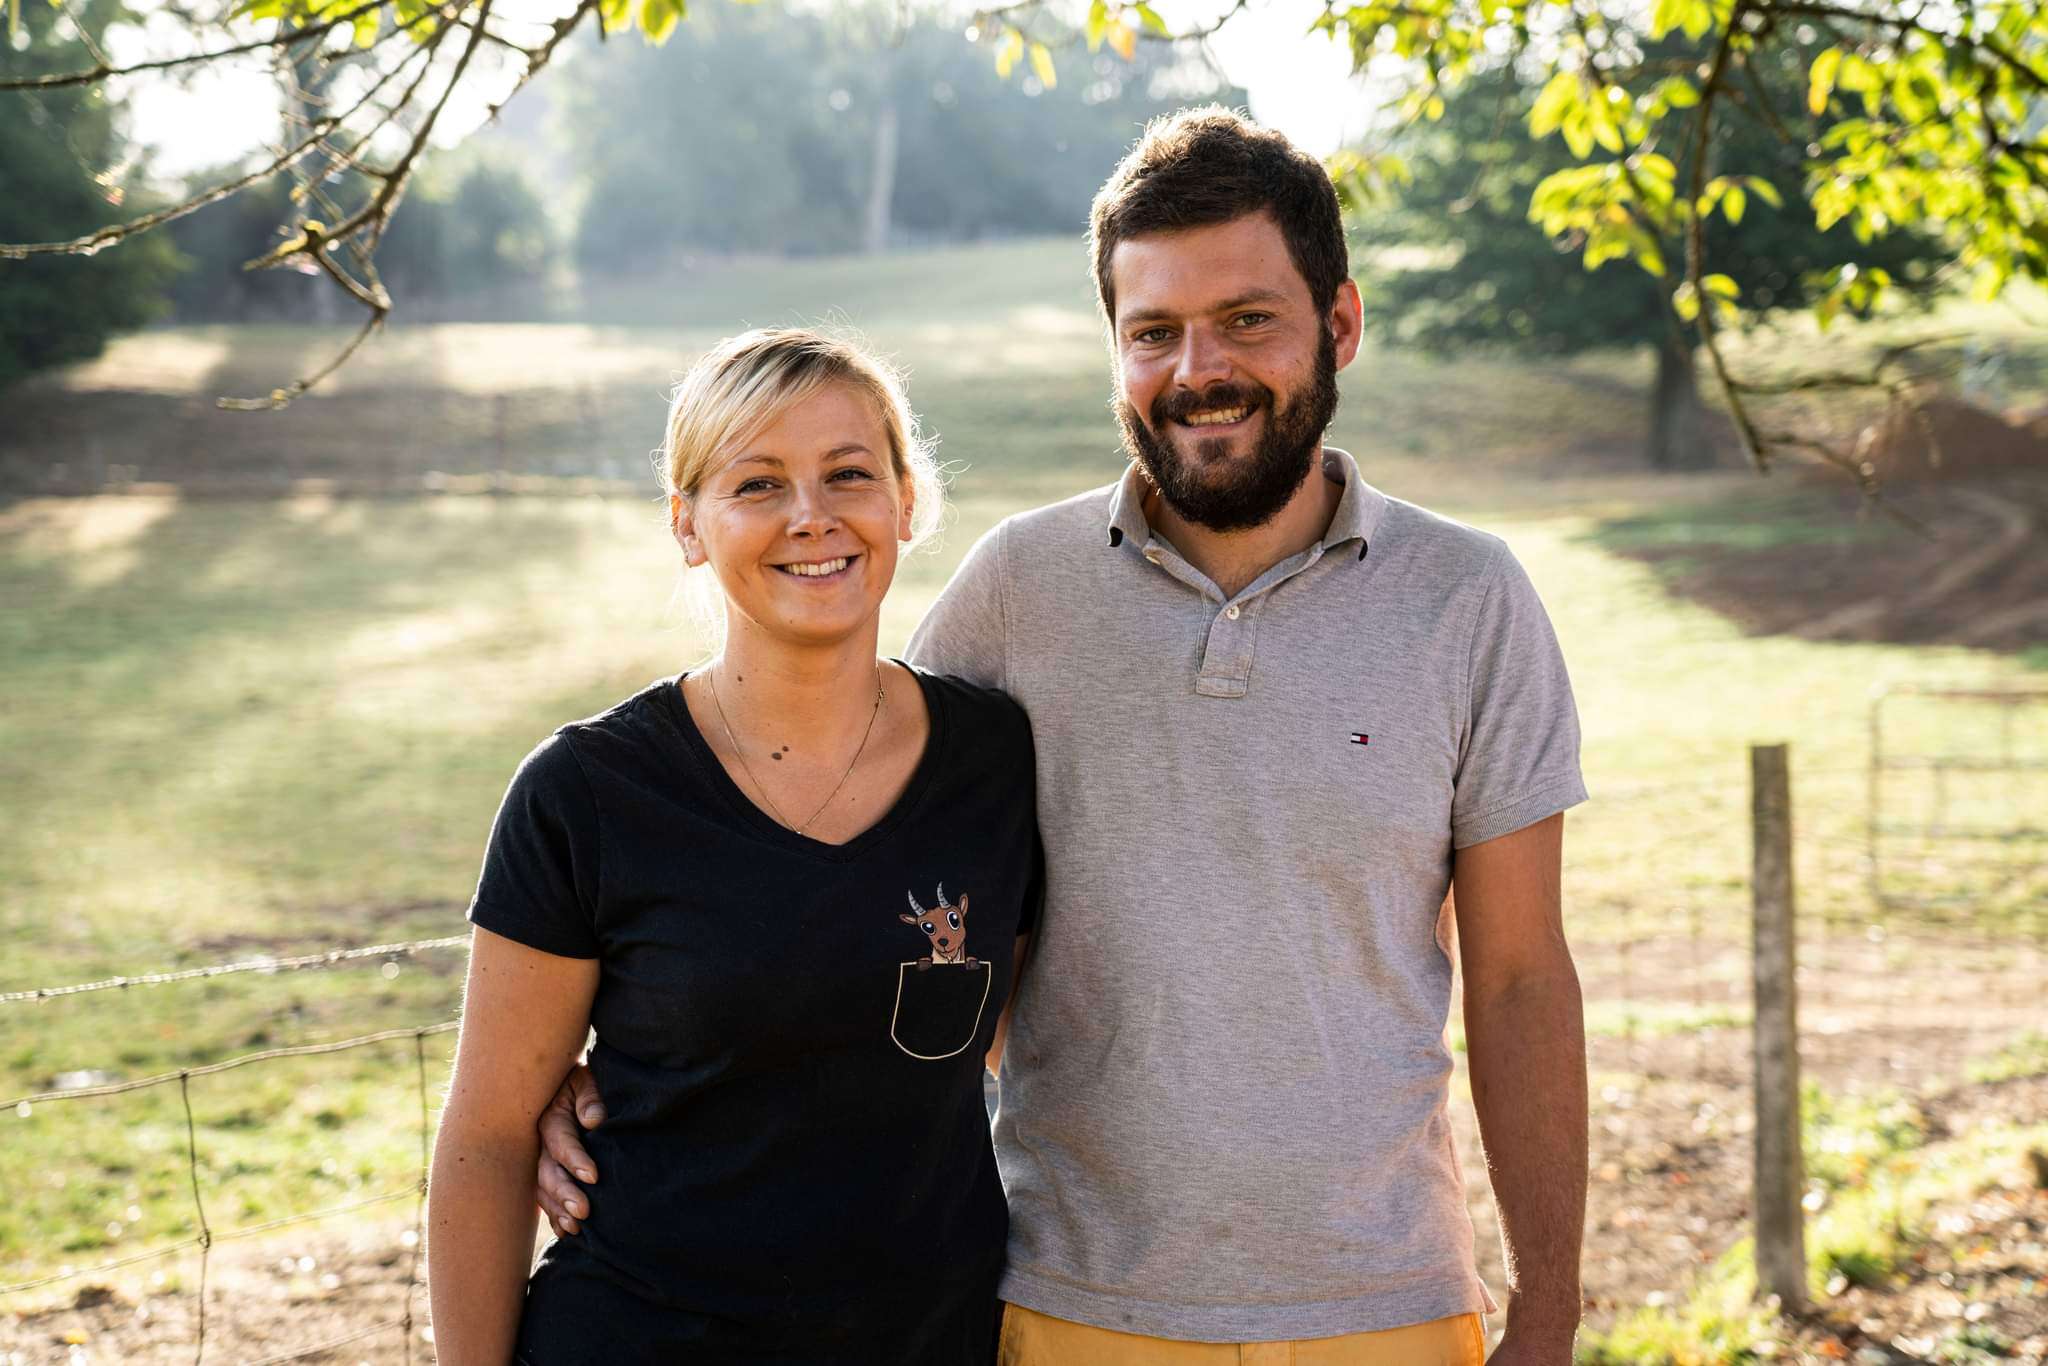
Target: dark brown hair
pixel 1205 166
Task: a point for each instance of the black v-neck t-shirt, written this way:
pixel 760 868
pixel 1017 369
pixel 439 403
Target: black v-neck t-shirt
pixel 796 1164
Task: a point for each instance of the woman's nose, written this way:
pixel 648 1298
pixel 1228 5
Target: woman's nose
pixel 810 514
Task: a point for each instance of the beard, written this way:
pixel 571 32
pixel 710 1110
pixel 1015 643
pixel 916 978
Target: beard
pixel 1198 483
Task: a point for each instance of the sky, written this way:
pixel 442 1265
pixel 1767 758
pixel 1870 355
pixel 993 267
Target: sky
pixel 1298 82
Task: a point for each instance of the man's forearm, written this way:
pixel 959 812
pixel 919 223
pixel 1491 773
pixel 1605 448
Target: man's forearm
pixel 1526 1049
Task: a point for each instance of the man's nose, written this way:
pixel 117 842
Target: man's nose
pixel 1202 361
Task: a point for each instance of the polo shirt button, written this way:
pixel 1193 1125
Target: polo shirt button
pixel 1152 555
pixel 1231 611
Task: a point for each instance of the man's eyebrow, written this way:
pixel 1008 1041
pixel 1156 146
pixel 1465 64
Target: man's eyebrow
pixel 1256 296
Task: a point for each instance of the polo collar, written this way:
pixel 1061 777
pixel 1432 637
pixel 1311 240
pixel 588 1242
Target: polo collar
pixel 1358 513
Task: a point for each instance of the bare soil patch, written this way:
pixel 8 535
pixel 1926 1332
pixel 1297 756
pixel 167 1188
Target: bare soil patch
pixel 1961 561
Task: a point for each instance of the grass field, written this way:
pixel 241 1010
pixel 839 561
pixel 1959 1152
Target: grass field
pixel 238 726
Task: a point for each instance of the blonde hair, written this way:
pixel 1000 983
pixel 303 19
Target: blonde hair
pixel 745 382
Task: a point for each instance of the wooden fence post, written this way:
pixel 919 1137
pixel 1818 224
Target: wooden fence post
pixel 1780 1165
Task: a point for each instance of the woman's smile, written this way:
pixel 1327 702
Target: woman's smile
pixel 819 571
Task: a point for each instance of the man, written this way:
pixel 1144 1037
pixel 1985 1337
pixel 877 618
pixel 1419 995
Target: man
pixel 1278 715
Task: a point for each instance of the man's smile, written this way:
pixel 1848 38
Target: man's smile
pixel 1218 417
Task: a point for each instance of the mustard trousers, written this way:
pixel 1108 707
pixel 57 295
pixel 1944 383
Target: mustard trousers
pixel 1030 1338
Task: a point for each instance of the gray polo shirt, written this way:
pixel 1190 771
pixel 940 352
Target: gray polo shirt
pixel 1223 1095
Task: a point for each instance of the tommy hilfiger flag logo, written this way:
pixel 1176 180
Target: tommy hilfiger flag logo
pixel 1359 737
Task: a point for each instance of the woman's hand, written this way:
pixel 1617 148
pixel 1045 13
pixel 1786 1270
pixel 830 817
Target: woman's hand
pixel 563 1161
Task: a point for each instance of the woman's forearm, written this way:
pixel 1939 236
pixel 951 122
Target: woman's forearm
pixel 480 1221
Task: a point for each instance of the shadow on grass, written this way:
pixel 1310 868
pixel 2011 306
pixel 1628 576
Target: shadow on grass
pixel 272 717
pixel 1819 563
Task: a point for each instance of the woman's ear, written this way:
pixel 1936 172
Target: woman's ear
pixel 903 532
pixel 682 524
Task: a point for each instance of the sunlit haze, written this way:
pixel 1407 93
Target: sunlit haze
pixel 1298 82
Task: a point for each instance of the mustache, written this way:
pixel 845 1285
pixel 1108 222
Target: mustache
pixel 1178 406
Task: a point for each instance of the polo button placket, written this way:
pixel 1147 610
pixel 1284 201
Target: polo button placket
pixel 1227 654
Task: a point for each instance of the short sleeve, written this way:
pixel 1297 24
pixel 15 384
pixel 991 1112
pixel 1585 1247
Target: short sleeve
pixel 1520 761
pixel 540 875
pixel 964 634
pixel 1034 894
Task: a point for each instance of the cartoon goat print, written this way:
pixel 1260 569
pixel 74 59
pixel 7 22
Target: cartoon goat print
pixel 946 927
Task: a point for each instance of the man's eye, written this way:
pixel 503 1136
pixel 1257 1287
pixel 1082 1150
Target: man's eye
pixel 1152 336
pixel 1252 319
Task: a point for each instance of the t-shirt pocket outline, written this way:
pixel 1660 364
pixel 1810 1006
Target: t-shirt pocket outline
pixel 929 974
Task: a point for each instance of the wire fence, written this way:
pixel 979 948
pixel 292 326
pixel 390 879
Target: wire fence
pixel 207 1235
pixel 1895 997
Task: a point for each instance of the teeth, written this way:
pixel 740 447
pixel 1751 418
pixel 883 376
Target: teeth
pixel 812 571
pixel 1215 417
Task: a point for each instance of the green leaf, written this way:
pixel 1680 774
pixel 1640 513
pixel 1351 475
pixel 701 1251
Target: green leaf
pixel 1149 17
pixel 1734 203
pixel 1578 133
pixel 1671 14
pixel 1041 66
pixel 1678 93
pixel 1560 94
pixel 1098 23
pixel 1008 53
pixel 1764 190
pixel 1820 80
pixel 1722 286
pixel 1685 301
pixel 1607 135
pixel 658 19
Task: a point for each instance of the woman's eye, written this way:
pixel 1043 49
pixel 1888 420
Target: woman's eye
pixel 851 473
pixel 755 486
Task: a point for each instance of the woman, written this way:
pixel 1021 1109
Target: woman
pixel 785 889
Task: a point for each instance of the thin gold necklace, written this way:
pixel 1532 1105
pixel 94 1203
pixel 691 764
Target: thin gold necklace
pixel 748 769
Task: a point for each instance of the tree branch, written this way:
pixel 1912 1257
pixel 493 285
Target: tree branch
pixel 1696 240
pixel 104 70
pixel 374 214
pixel 1904 25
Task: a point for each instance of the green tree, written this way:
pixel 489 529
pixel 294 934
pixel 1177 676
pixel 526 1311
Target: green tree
pixel 1908 119
pixel 63 172
pixel 1492 278
pixel 1933 113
